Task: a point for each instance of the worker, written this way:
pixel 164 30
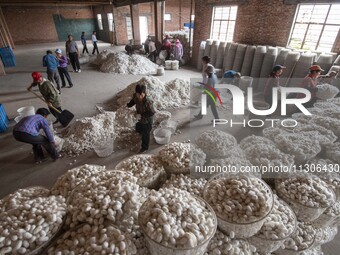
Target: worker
pixel 27 131
pixel 129 48
pixel 178 50
pixel 62 68
pixel 309 83
pixel 94 42
pixel 83 42
pixel 152 51
pixel 167 46
pixel 73 53
pixel 328 78
pixel 51 62
pixel 231 77
pixel 210 79
pixel 273 81
pixel 146 45
pixel 144 107
pixel 49 93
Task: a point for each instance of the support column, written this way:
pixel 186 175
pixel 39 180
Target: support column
pixel 5 34
pixel 158 32
pixel 134 11
pixel 113 33
pixel 180 15
pixel 162 18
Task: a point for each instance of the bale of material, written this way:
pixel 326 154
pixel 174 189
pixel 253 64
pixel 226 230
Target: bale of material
pixel 303 64
pixel 337 61
pixel 301 68
pixel 226 52
pixel 325 61
pixel 208 45
pixel 231 56
pixel 200 55
pixel 220 55
pixel 258 61
pixel 318 53
pixel 279 49
pixel 267 66
pixel 290 64
pixel 268 61
pixel 248 60
pixel 239 57
pixel 281 58
pixel 334 56
pixel 213 52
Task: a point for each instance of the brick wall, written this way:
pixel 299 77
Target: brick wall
pixel 180 13
pixel 36 24
pixel 179 10
pixel 262 22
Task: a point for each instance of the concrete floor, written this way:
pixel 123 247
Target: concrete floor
pixel 90 88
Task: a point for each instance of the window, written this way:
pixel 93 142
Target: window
pixel 167 16
pixel 223 23
pixel 110 21
pixel 316 27
pixel 129 28
pixel 100 21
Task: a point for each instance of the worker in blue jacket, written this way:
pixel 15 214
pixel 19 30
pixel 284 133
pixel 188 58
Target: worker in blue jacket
pixel 51 62
pixel 231 77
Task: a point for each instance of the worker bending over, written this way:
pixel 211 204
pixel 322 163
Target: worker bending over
pixel 231 77
pixel 27 131
pixel 49 92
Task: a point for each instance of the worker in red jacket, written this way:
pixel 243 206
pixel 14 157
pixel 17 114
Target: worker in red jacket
pixel 309 83
pixel 167 46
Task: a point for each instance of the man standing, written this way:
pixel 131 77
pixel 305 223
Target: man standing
pixel 51 62
pixel 73 53
pixel 152 51
pixel 94 41
pixel 83 41
pixel 27 131
pixel 144 107
pixel 49 92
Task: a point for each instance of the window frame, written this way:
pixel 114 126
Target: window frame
pixel 312 23
pixel 100 21
pixel 167 15
pixel 228 20
pixel 110 21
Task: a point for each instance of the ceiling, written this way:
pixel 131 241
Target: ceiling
pixel 116 3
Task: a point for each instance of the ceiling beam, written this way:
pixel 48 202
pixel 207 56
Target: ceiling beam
pixel 116 3
pixel 52 2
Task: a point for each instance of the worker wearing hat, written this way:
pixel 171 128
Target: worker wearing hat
pixel 272 82
pixel 62 68
pixel 49 93
pixel 309 83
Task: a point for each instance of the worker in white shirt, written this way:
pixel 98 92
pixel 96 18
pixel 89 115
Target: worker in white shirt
pixel 94 41
pixel 152 50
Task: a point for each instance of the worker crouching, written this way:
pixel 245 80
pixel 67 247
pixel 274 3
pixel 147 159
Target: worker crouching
pixel 145 108
pixel 27 131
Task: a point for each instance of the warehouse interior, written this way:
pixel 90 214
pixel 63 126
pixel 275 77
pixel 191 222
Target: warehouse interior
pixel 92 187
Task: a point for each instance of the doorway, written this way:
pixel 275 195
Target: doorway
pixel 143 28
